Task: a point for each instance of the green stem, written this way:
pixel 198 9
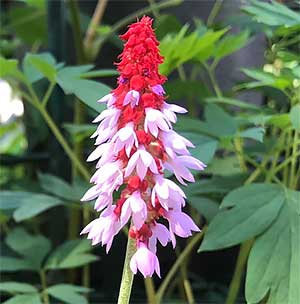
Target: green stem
pixel 77 35
pixel 150 291
pixel 154 9
pixel 294 161
pixel 239 151
pixel 127 276
pixel 210 72
pixel 43 279
pixel 238 272
pixel 48 94
pixel 81 168
pixel 214 12
pixel 123 22
pixel 184 254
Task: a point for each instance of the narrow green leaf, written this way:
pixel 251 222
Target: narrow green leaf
pixel 100 73
pixel 33 298
pixel 205 147
pixel 87 91
pixel 219 122
pixel 205 206
pixel 274 260
pixel 71 254
pixel 10 264
pixel 17 287
pixel 68 293
pixel 34 205
pixel 232 102
pixel 253 209
pixel 254 133
pixel 33 247
pixel 13 199
pixel 295 117
pixel 55 185
pixel 230 44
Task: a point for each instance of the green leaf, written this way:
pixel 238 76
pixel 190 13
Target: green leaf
pixel 295 117
pixel 219 122
pixel 245 212
pixel 274 260
pixel 100 73
pixel 32 70
pixel 232 102
pixel 17 287
pixel 71 254
pixel 216 184
pixel 8 67
pixel 33 298
pixel 33 247
pixel 273 14
pixel 230 44
pixel 10 264
pixel 55 185
pixel 87 91
pixel 43 66
pixel 224 166
pixel 29 24
pixel 166 24
pixel 256 133
pixel 180 48
pixel 13 199
pixel 68 293
pixel 266 79
pixel 80 132
pixel 205 147
pixel 34 204
pixel 205 206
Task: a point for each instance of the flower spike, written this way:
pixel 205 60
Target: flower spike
pixel 136 144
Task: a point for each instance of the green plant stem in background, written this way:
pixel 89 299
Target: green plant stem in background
pixel 211 74
pixel 123 22
pixel 214 12
pixel 81 168
pixel 238 272
pixel 184 254
pixel 95 21
pixel 295 155
pixel 43 279
pixel 153 6
pixel 127 276
pixel 238 144
pixel 150 291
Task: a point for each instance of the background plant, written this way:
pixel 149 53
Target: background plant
pixel 249 194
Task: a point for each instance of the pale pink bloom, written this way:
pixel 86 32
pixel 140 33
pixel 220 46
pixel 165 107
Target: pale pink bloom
pixel 160 233
pixel 158 89
pixel 169 109
pixel 136 207
pixel 109 99
pixel 145 261
pixel 141 160
pixel 168 193
pixel 180 224
pixel 125 138
pixel 155 120
pixel 103 200
pixel 98 152
pixel 132 97
pixel 109 177
pixel 174 142
pixel 103 229
pixel 107 156
pixel 178 165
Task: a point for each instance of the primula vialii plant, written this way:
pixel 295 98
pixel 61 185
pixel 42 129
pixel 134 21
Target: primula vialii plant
pixel 136 144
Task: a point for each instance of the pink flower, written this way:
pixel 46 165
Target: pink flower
pixel 135 145
pixel 145 261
